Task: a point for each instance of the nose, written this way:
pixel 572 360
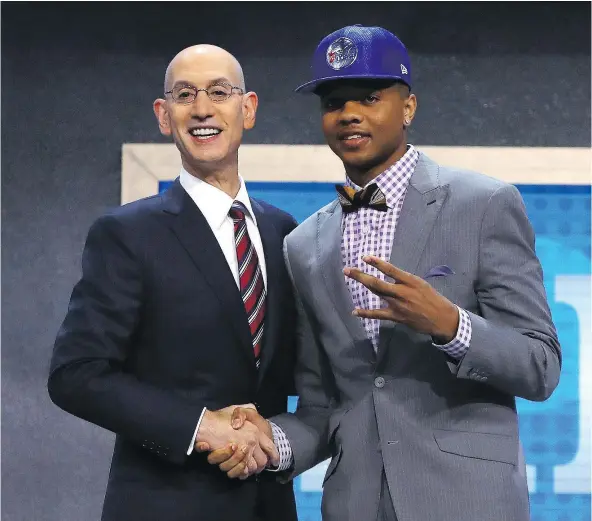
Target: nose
pixel 350 113
pixel 202 107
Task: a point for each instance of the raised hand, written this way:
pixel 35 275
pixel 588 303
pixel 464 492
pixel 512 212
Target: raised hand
pixel 410 300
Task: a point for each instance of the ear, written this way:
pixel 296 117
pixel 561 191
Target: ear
pixel 162 115
pixel 409 108
pixel 250 104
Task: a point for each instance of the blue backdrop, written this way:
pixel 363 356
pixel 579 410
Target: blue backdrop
pixel 556 433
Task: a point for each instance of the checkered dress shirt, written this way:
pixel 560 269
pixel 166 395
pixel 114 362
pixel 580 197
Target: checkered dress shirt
pixel 371 232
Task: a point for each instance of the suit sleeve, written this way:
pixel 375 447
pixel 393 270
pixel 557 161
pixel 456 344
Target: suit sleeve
pixel 88 376
pixel 514 345
pixel 307 429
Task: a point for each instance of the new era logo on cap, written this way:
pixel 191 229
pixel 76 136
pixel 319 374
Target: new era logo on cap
pixel 358 52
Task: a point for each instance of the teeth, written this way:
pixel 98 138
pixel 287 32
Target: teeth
pixel 204 131
pixel 355 136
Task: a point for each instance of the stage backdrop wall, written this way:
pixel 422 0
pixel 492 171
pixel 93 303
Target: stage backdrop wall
pixel 78 81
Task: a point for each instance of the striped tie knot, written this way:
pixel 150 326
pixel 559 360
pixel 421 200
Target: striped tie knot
pixel 237 211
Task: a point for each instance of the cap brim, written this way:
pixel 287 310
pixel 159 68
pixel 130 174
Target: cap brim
pixel 311 86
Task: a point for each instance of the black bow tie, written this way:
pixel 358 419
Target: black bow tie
pixel 352 201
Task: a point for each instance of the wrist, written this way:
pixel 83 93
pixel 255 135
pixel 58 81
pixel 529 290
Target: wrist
pixel 447 330
pixel 205 427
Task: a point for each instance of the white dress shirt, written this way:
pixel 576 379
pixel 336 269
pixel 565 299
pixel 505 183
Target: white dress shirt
pixel 215 204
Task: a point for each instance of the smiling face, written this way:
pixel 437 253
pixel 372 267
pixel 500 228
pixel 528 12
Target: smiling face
pixel 364 124
pixel 206 132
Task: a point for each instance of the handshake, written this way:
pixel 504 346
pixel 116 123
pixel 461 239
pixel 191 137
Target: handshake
pixel 240 441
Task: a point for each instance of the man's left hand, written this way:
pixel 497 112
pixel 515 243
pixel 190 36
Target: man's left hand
pixel 410 301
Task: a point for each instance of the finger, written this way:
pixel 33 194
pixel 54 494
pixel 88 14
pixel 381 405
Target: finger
pixel 220 455
pixel 244 475
pixel 202 446
pixel 374 284
pixel 238 471
pixel 269 448
pixel 260 458
pixel 388 269
pixel 238 457
pixel 251 467
pixel 378 314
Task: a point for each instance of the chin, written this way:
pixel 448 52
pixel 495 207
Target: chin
pixel 212 155
pixel 358 160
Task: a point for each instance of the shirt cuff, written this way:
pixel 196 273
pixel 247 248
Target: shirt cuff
pixel 282 445
pixel 190 449
pixel 459 345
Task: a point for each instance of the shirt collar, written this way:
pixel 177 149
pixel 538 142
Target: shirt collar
pixel 394 180
pixel 213 203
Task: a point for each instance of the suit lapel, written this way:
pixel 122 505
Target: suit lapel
pixel 196 236
pixel 423 202
pixel 272 247
pixel 331 266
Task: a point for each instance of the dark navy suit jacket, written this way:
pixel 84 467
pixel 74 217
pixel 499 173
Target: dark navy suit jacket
pixel 155 331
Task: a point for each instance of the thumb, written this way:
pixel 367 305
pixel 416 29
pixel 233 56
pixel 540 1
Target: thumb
pixel 239 417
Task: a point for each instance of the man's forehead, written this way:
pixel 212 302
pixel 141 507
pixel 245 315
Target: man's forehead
pixel 204 69
pixel 203 64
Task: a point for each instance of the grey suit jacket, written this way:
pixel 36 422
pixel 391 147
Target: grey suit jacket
pixel 445 432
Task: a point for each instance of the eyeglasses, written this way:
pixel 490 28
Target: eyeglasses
pixel 218 93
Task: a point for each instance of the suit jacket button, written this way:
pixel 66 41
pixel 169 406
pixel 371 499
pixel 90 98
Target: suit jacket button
pixel 379 382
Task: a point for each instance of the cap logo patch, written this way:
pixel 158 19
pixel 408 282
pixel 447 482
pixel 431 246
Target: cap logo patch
pixel 341 53
pixel 403 69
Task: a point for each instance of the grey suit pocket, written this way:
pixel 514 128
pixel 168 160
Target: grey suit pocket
pixel 479 445
pixel 333 465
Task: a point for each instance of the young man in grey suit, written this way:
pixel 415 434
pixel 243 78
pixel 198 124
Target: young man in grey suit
pixel 408 369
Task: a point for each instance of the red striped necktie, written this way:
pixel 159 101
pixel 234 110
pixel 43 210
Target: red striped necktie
pixel 252 287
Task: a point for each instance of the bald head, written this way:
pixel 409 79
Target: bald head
pixel 207 59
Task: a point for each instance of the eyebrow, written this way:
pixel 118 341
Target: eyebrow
pixel 217 81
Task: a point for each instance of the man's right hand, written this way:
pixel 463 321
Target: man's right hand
pixel 231 459
pixel 240 415
pixel 251 445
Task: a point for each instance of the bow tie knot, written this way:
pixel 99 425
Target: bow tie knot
pixel 370 197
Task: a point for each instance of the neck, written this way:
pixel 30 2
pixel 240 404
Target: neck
pixel 362 175
pixel 224 178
